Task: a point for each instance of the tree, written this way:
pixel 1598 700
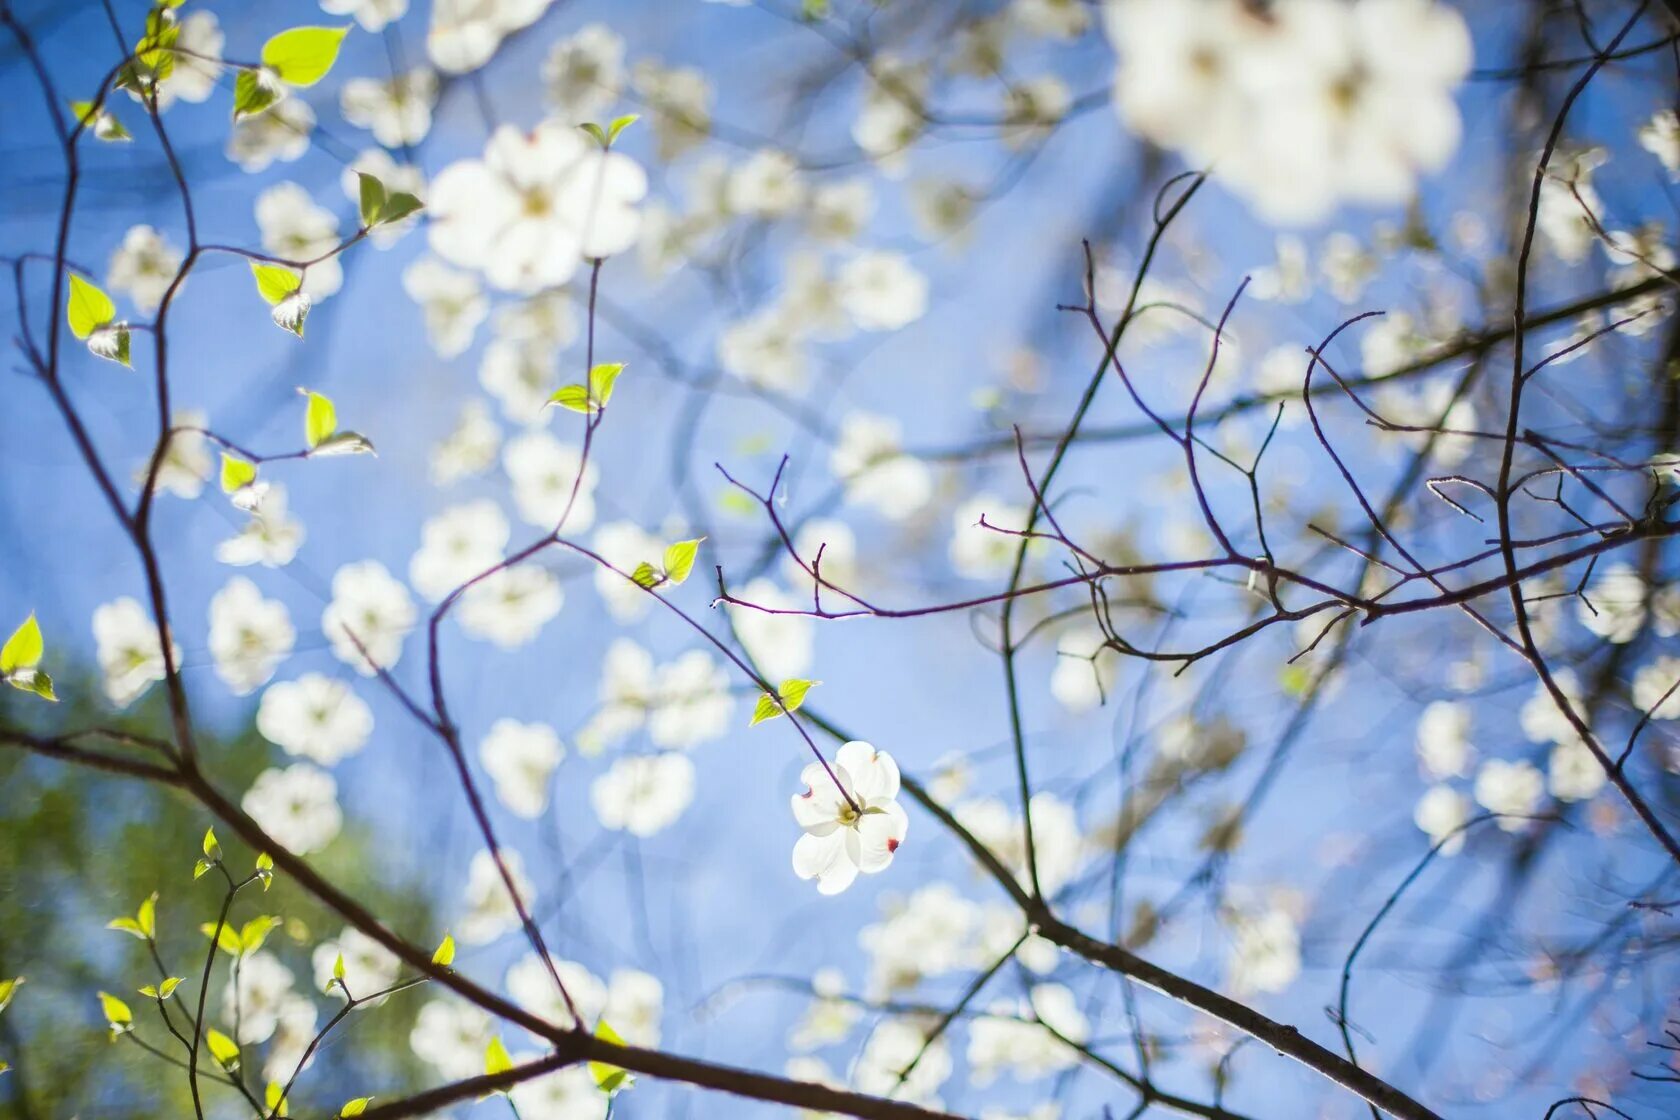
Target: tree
pixel 1344 557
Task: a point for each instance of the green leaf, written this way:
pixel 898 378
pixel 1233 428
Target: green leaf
pixel 573 397
pixel 89 308
pixel 610 1079
pixel 303 55
pixel 265 870
pixel 372 198
pixel 320 420
pixel 618 125
pixel 167 988
pixel 679 559
pixel 223 1049
pixel 290 313
pixel 645 575
pixel 111 342
pixel 24 649
pixel 601 381
pixel 33 680
pixel 253 92
pixel 254 932
pixel 792 693
pixel 338 968
pixel 355 1106
pixel 274 1099
pixel 227 940
pixel 237 474
pixel 99 121
pixel 8 989
pixel 199 868
pixel 445 955
pixel 128 926
pixel 146 916
pixel 596 131
pixel 274 282
pixel 399 206
pixel 116 1011
pixel 342 443
pixel 496 1058
pixel 212 846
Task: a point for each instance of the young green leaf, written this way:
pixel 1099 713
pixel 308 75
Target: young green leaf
pixel 237 474
pixel 274 282
pixel 601 381
pixel 167 988
pixel 290 313
pixel 212 846
pixel 342 443
pixel 445 955
pixel 303 55
pixel 573 397
pixel 610 1079
pixel 496 1058
pixel 320 419
pixel 253 92
pixel 111 342
pixel 355 1106
pixel 146 916
pixel 274 1099
pixel 679 559
pixel 338 968
pixel 618 125
pixel 24 649
pixel 99 121
pixel 8 989
pixel 596 131
pixel 645 575
pixel 128 926
pixel 792 693
pixel 88 308
pixel 399 206
pixel 116 1012
pixel 265 870
pixel 372 198
pixel 223 1049
pixel 199 869
pixel 254 932
pixel 227 938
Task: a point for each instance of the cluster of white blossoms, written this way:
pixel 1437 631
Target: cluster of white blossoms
pixel 1265 953
pixel 850 815
pixel 1299 106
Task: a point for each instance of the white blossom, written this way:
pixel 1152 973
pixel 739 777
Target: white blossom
pixel 850 815
pixel 643 794
pixel 144 267
pixel 249 635
pixel 544 473
pixel 297 806
pixel 1512 789
pixel 397 110
pixel 490 909
pixel 316 717
pixel 368 618
pixel 129 652
pixel 1439 813
pixel 520 759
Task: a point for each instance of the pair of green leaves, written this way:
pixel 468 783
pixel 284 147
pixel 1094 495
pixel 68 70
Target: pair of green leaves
pixel 163 990
pixel 144 923
pixel 606 136
pixel 99 120
pixel 245 940
pixel 298 58
pixel 320 429
pixel 154 54
pixel 93 319
pixel 593 398
pixel 790 695
pixel 20 660
pixel 380 207
pixel 676 565
pixel 281 288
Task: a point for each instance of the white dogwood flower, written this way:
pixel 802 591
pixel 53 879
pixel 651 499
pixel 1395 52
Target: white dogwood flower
pixel 129 653
pixel 297 806
pixel 643 794
pixel 851 817
pixel 316 717
pixel 249 635
pixel 536 206
pixel 520 759
pixel 144 266
pixel 461 542
pixel 369 611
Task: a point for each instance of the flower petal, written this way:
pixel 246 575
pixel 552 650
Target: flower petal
pixel 879 835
